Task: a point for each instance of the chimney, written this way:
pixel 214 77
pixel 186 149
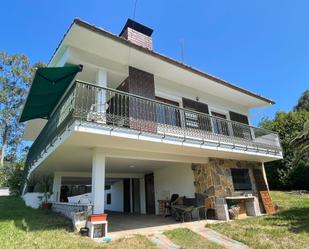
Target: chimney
pixel 137 33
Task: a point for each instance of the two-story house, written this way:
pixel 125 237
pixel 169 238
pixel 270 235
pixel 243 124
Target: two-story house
pixel 111 116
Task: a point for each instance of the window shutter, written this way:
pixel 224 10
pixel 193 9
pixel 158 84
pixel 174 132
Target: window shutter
pixel 201 107
pixel 188 103
pixel 239 130
pixel 239 117
pixel 193 120
pixel 195 105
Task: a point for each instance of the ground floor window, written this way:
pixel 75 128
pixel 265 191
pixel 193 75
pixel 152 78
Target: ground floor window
pixel 72 186
pixel 241 179
pixel 109 198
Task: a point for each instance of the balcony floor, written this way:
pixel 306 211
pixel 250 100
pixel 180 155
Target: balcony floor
pixel 82 138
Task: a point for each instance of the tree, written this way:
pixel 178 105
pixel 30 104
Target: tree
pixel 15 78
pixel 14 176
pixel 288 125
pixel 303 102
pixel 301 143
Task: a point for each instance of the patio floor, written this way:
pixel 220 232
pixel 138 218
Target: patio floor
pixel 124 225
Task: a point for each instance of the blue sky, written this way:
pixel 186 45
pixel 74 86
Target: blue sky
pixel 260 45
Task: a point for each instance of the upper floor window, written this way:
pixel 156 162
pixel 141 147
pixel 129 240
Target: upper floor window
pixel 168 114
pixel 241 179
pixel 194 119
pixel 220 125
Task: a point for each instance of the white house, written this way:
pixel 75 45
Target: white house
pixel 111 116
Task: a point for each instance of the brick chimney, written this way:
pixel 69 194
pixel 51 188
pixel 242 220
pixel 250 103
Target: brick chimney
pixel 137 33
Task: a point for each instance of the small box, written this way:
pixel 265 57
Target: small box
pixel 97 217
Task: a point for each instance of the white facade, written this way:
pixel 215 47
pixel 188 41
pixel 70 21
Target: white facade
pixel 102 152
pixel 116 193
pixel 173 179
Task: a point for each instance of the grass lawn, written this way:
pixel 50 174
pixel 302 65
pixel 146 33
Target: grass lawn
pixel 23 227
pixel 287 229
pixel 190 240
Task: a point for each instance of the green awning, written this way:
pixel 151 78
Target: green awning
pixel 46 90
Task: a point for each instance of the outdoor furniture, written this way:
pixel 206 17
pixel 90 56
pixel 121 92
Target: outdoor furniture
pixel 91 225
pixel 199 210
pixel 201 204
pixel 183 206
pixel 211 214
pixel 163 204
pixel 182 211
pixel 169 205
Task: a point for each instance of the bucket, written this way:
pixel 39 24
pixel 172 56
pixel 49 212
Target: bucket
pixel 84 231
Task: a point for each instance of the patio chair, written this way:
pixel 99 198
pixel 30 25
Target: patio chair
pixel 169 204
pixel 190 206
pixel 201 205
pixel 181 213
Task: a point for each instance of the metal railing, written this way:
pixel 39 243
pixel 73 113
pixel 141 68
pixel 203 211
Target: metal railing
pixel 109 107
pixel 121 109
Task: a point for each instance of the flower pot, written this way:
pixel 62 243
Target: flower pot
pixel 46 205
pixel 97 217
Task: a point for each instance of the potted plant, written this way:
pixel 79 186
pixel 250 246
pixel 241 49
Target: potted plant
pixel 45 185
pixel 31 183
pixel 45 198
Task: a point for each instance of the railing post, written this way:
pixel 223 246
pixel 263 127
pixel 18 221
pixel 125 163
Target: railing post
pixel 101 80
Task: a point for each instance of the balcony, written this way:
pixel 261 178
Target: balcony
pixel 104 107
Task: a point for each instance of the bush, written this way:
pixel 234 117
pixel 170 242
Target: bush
pixel 299 177
pixel 12 175
pixel 282 174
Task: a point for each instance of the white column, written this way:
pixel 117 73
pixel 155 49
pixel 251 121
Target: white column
pixel 101 80
pixel 142 195
pixel 56 186
pixel 265 176
pixel 98 182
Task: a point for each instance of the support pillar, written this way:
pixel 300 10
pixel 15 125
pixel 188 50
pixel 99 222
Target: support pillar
pixel 98 182
pixel 142 195
pixel 56 187
pixel 101 80
pixel 264 175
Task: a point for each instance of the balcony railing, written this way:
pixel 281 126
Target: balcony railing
pixel 109 107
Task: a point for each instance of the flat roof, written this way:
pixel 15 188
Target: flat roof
pixel 153 53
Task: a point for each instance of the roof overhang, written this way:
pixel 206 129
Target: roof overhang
pixel 97 41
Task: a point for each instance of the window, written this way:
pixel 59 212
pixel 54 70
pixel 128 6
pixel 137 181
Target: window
pixel 109 198
pixel 193 119
pixel 220 126
pixel 242 131
pixel 241 179
pixel 107 187
pixel 168 114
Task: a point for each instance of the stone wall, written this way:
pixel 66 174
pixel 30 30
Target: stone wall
pixel 68 209
pixel 215 180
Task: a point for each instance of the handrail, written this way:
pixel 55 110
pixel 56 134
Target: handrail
pixel 169 105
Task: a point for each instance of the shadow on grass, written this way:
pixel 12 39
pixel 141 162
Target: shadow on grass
pixel 296 219
pixel 28 219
